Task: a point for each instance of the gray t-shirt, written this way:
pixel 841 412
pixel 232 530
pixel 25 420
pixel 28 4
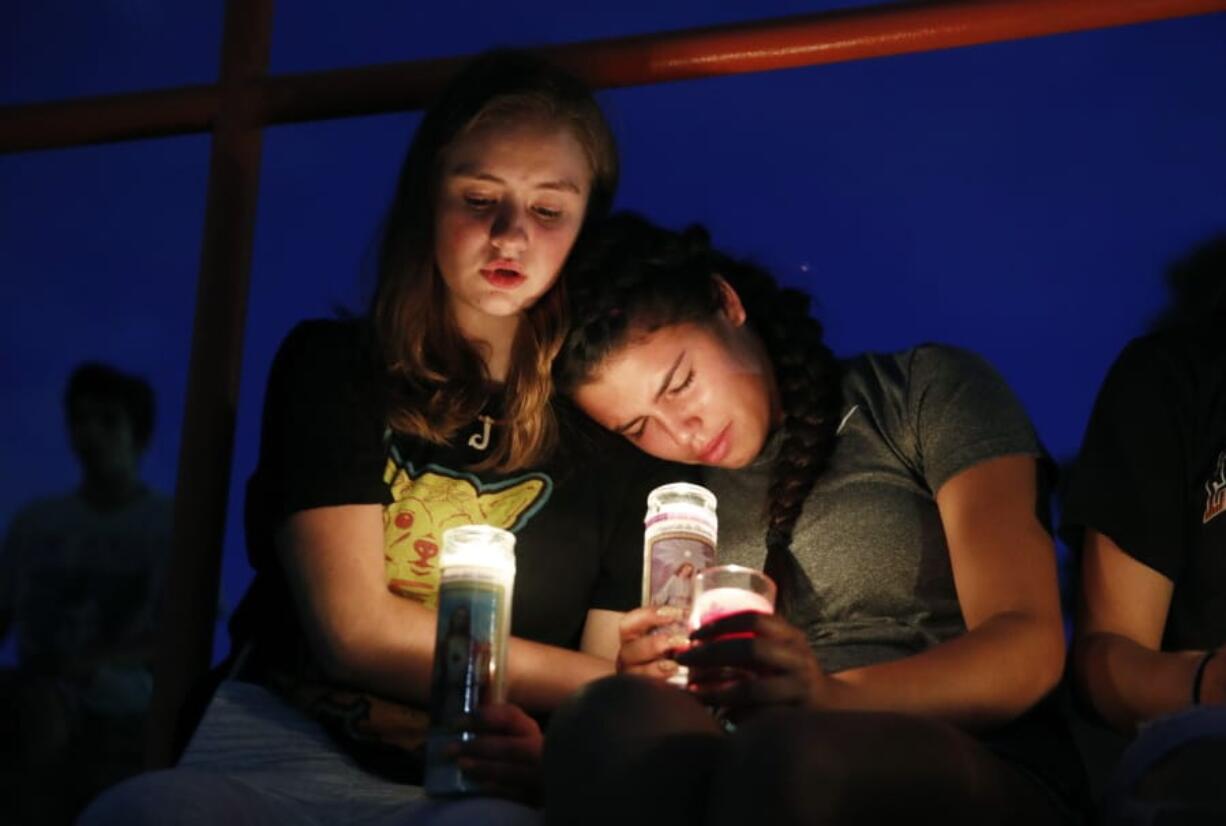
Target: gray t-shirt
pixel 870 538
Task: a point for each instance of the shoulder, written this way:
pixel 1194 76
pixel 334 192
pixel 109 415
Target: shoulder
pixel 41 517
pixel 942 408
pixel 919 375
pixel 903 366
pixel 328 341
pixel 1155 380
pixel 935 360
pixel 1168 357
pixel 318 356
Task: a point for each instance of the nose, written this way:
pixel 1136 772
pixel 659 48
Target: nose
pixel 509 232
pixel 684 426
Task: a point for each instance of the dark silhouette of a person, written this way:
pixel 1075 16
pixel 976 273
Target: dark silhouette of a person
pixel 80 575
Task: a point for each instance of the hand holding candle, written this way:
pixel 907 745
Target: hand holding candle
pixel 744 656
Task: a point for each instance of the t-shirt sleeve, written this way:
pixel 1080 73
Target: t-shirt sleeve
pixel 1128 481
pixel 962 413
pixel 321 440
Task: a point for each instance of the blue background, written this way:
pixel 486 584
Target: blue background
pixel 1021 199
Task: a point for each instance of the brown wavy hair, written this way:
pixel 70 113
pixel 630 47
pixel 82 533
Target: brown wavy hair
pixel 437 382
pixel 634 278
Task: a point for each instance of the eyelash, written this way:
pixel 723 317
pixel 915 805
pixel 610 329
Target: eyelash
pixel 637 433
pixel 481 204
pixel 689 379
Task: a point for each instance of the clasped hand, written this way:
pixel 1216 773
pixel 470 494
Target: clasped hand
pixel 504 758
pixel 739 662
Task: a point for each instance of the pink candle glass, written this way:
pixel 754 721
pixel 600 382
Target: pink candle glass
pixel 719 592
pixel 730 589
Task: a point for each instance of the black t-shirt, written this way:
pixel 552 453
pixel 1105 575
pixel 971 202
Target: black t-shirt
pixel 578 517
pixel 1151 475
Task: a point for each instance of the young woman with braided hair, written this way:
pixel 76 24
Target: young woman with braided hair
pixel 896 500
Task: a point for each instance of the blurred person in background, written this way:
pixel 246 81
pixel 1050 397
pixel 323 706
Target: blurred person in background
pixel 80 575
pixel 1145 508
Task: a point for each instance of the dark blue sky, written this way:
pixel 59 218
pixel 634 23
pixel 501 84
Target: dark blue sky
pixel 1021 199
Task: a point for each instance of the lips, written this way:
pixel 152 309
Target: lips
pixel 716 449
pixel 503 274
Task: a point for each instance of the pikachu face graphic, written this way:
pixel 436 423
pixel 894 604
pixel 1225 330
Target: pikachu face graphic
pixel 430 501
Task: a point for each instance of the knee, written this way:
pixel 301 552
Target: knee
pixel 827 767
pixel 610 746
pixel 625 709
pixel 614 718
pixel 782 749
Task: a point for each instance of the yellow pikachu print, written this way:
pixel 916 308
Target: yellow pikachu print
pixel 429 501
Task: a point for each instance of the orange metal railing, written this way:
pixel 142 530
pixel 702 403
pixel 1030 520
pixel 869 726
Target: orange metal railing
pixel 856 34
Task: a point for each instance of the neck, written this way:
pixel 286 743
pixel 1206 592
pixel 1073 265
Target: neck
pixel 494 339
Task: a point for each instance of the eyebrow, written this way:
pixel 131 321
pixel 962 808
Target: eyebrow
pixel 668 379
pixel 469 171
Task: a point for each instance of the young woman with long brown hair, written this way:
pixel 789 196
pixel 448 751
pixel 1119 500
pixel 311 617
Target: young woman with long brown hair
pixel 379 434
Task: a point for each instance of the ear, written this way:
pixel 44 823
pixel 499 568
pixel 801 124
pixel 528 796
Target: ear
pixel 734 310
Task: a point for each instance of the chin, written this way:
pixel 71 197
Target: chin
pixel 502 306
pixel 735 462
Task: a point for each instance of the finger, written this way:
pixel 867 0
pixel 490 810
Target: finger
pixel 518 750
pixel 649 649
pixel 635 624
pixel 660 669
pixel 505 718
pixel 752 691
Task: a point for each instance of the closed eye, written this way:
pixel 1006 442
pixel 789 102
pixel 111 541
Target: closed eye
pixel 689 379
pixel 478 202
pixel 634 430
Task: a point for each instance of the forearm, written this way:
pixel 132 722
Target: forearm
pixel 982 678
pixel 365 636
pixel 393 655
pixel 540 677
pixel 1128 683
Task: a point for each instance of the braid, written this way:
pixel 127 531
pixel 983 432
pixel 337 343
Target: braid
pixel 808 377
pixel 634 278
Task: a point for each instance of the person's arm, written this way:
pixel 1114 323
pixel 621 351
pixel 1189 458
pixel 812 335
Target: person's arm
pixel 1118 663
pixel 1004 569
pixel 366 636
pixel 1011 655
pixel 601 633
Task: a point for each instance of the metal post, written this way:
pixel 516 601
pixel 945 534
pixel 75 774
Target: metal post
pixel 189 607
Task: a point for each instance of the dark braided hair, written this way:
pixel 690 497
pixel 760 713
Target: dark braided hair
pixel 633 278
